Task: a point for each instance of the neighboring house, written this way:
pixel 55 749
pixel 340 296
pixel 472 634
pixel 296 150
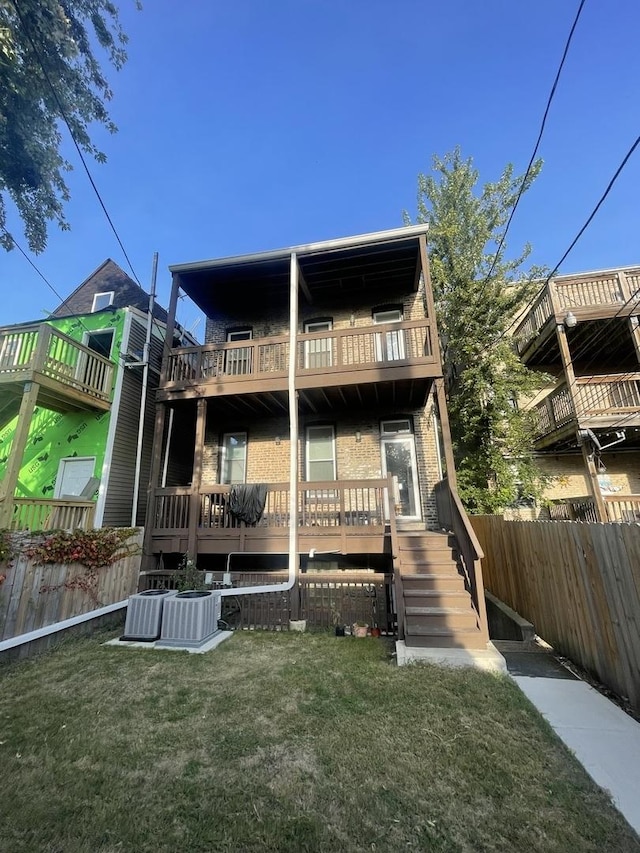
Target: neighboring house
pixel 70 408
pixel 336 341
pixel 584 331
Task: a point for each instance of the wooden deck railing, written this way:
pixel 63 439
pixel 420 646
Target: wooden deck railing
pixel 338 350
pixel 52 514
pixel 44 350
pixel 343 503
pixel 619 508
pixel 583 295
pixel 594 396
pixel 453 517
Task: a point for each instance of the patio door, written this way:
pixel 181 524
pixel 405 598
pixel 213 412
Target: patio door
pixel 390 345
pixel 398 451
pixel 238 361
pixel 319 351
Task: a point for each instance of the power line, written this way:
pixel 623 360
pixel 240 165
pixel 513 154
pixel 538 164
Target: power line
pixel 63 113
pixel 537 145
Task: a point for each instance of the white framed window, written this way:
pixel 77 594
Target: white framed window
pixel 319 351
pixel 99 341
pixel 320 453
pixel 397 426
pixel 238 361
pixel 390 345
pixel 102 300
pixel 233 458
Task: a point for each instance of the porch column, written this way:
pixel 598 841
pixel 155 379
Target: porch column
pixel 171 324
pixel 593 482
pixel 294 557
pixel 27 406
pixel 156 460
pixel 196 480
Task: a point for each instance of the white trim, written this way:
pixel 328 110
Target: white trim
pixel 113 420
pixel 246 331
pixel 110 293
pixel 314 346
pixel 397 439
pixel 86 335
pixel 21 639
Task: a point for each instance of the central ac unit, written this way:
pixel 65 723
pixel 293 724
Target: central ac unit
pixel 144 615
pixel 190 619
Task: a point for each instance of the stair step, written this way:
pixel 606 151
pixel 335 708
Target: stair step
pixel 459 638
pixel 425 567
pixel 446 618
pixel 442 581
pixel 436 597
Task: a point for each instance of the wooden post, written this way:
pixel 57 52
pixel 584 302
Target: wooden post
pixel 156 460
pixel 196 479
pixel 594 484
pixel 567 366
pixel 446 434
pixel 294 557
pixel 171 324
pixel 27 406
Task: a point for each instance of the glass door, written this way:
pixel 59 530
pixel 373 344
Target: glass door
pixel 390 346
pixel 398 451
pixel 319 351
pixel 238 361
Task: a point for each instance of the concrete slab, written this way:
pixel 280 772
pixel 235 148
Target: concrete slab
pixel 603 738
pixel 211 644
pixel 488 659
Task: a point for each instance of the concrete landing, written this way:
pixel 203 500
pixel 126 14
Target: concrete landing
pixel 213 643
pixel 489 659
pixel 604 739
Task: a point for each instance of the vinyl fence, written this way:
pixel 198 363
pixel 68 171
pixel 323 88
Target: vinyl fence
pixel 33 596
pixel 579 583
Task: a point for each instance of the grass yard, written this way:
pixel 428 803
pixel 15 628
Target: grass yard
pixel 283 742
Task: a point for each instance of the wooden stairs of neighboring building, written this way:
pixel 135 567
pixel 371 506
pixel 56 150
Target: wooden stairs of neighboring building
pixel 438 609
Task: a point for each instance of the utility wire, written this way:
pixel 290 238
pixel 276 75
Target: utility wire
pixel 537 145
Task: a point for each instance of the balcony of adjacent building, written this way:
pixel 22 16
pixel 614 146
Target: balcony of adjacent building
pixel 602 403
pixel 581 304
pixel 68 374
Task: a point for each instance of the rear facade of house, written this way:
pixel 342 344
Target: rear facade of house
pixel 334 343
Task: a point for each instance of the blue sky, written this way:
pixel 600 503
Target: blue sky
pixel 256 125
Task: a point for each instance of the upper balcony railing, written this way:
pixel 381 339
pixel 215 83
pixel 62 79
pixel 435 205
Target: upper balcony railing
pixel 328 352
pixel 585 296
pixel 42 351
pixel 594 397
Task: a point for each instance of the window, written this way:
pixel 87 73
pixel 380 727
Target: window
pixel 238 360
pixel 102 300
pixel 318 352
pixel 321 453
pixel 396 427
pixel 100 341
pixel 233 462
pixel 390 346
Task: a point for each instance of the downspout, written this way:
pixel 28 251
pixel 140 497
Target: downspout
pixel 143 396
pixel 293 450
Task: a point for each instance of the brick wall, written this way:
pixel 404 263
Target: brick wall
pixel 569 478
pixel 268 450
pixel 277 323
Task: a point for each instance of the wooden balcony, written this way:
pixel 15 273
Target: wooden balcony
pixel 70 375
pixel 619 508
pixel 345 516
pixel 341 357
pixel 49 514
pixel 598 402
pixel 597 296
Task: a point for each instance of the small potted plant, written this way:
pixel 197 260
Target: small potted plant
pixel 360 629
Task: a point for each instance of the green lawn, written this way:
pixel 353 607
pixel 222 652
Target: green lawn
pixel 283 742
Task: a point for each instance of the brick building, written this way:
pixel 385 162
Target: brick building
pixel 335 343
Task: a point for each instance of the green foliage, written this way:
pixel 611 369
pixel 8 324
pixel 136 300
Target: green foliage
pixel 92 548
pixel 189 577
pixel 478 291
pixel 62 35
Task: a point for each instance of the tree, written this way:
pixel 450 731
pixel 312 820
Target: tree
pixel 49 75
pixel 477 293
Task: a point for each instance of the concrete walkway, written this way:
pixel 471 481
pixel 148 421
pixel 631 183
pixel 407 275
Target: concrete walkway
pixel 603 738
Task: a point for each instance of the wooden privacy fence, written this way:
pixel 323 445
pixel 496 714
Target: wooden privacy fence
pixel 326 598
pixel 579 583
pixel 35 596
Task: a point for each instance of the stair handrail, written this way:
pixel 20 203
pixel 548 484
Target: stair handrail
pixel 453 515
pixel 395 557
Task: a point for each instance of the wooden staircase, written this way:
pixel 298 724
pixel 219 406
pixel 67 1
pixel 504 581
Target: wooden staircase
pixel 437 610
